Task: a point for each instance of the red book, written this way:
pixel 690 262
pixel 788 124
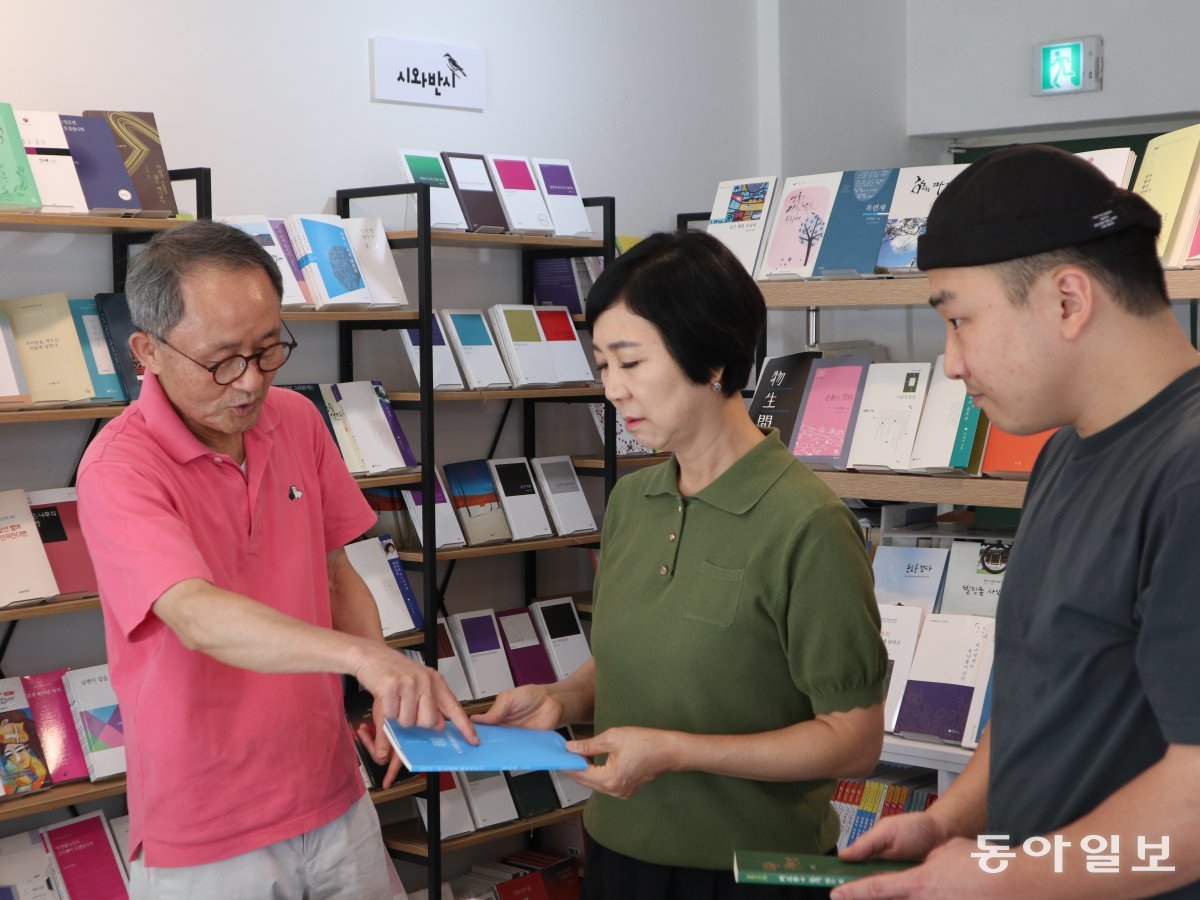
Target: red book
pixel 85 859
pixel 1012 455
pixel 526 656
pixel 55 726
pixel 527 887
pixel 57 517
pixel 558 873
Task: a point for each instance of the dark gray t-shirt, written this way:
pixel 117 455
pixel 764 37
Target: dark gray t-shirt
pixel 1098 628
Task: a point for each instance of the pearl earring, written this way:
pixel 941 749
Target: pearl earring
pixel 716 385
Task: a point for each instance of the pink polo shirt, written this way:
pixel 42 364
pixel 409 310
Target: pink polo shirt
pixel 221 760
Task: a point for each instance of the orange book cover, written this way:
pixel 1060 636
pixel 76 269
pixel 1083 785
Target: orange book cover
pixel 1013 455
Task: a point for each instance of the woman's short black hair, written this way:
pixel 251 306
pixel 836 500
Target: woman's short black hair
pixel 698 295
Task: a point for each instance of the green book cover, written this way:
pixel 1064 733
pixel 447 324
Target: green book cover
pixel 968 428
pixel 805 870
pixel 17 190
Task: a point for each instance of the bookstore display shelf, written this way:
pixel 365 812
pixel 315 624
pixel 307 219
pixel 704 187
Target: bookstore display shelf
pixel 478 241
pixel 50 608
pixel 409 836
pixel 59 796
pixel 501 549
pixel 388 480
pixel 48 222
pixel 413 638
pixel 623 462
pixel 61 413
pixel 927 489
pixel 350 315
pixel 925 754
pixel 404 787
pixel 552 393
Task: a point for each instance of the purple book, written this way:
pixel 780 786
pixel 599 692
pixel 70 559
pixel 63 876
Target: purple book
pixel 410 458
pixel 554 284
pixel 106 184
pixel 934 710
pixel 526 656
pixel 479 642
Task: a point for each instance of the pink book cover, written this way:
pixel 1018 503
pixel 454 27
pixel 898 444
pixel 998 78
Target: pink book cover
pixel 85 858
pixel 57 516
pixel 1194 252
pixel 526 656
pixel 515 175
pixel 829 408
pixel 55 727
pixel 800 228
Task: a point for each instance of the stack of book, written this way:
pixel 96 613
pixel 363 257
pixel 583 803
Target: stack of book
pixel 890 790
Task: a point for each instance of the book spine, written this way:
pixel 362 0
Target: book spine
pixel 406 452
pixel 406 591
pixel 77 718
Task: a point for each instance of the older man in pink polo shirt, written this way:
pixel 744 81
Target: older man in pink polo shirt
pixel 216 511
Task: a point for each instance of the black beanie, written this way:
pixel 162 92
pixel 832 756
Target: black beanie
pixel 1025 200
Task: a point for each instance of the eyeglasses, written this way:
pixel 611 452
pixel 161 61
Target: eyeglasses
pixel 230 369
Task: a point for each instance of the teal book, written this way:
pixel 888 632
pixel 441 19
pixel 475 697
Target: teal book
pixel 18 192
pixel 806 870
pixel 500 748
pixel 103 371
pixel 856 223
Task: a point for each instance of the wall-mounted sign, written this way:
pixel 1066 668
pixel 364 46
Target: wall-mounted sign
pixel 1068 66
pixel 428 72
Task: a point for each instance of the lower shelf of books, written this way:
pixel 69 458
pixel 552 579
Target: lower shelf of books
pixel 501 549
pixel 948 759
pixel 409 836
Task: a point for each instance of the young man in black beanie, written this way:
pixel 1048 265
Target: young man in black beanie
pixel 1087 781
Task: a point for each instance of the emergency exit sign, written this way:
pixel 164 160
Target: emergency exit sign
pixel 1068 66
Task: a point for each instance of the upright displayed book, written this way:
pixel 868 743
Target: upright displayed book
pixel 1012 455
pixel 327 260
pixel 335 417
pixel 500 747
pixel 524 205
pixel 477 502
pixel 376 265
pixel 563 494
pixel 118 328
pixel 56 514
pixel 449 665
pixel 556 178
pixel 477 636
pixel 18 190
pixel 980 710
pixel 799 226
pixel 526 352
pixel 941 683
pixel 471 339
pixel 556 282
pixel 974 575
pixel 916 189
pixel 445 373
pixel 259 228
pixel 107 385
pixel 28 576
pixel 909 576
pixel 527 657
pixel 107 188
pixel 532 790
pixel 97 720
pixel 25 869
pixel 377 435
pixel 445 520
pixel 780 388
pixel 569 791
pixel 283 240
pixel 49 349
pixel 1169 179
pixel 1115 162
pixel 475 191
pixel 626 443
pixel 452 802
pixel 426 167
pixel 51 712
pixel 23 769
pixel 519 498
pixel 893 397
pixel 952 432
pixel 825 424
pixel 14 389
pixel 570 363
pixel 488 798
pixel 50 159
pixel 740 212
pixel 85 858
pixel 140 145
pixel 900 627
pixel 856 223
pixel 562 635
pixel 377 563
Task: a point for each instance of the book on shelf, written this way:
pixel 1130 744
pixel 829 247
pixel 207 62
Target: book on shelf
pixel 140 145
pixel 342 434
pixel 472 342
pixel 475 192
pixel 952 431
pixel 378 436
pixel 445 372
pixel 893 397
pixel 780 388
pixel 556 283
pixel 916 189
pixel 558 624
pixel 259 228
pixel 740 212
pixel 556 178
pixel 455 814
pixel 360 710
pixel 806 870
pixel 377 563
pixel 118 326
pixel 56 514
pixel 909 576
pixel 426 167
pixel 1169 180
pixel 557 872
pixel 477 637
pixel 524 206
pixel 107 188
pixel 519 498
pixel 472 887
pixel 980 710
pixel 943 677
pixel 627 444
pixel 900 627
pixel 313 393
pixel 1012 455
pixel 25 869
pixel 23 767
pixel 18 190
pixel 533 789
pixel 283 241
pixel 14 389
pixel 327 260
pixel 477 502
pixel 107 385
pixel 856 222
pixel 500 748
pixel 120 832
pixel 570 363
pixel 974 574
pixel 368 239
pixel 449 663
pixel 569 791
pixel 48 348
pixel 828 413
pixel 488 798
pixel 51 711
pixel 1115 162
pixel 445 521
pixel 526 352
pixel 799 227
pixel 28 575
pixel 50 159
pixel 527 657
pixel 85 859
pixel 563 494
pixel 97 720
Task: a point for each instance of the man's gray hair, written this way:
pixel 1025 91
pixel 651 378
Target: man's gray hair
pixel 153 286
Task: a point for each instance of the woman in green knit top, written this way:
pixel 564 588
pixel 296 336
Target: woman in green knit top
pixel 738 669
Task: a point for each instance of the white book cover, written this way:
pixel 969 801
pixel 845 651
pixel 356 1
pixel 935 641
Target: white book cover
pixel 446 376
pixel 524 206
pixel 981 697
pixel 562 634
pixel 740 212
pixel 372 431
pixel 916 189
pixel 909 576
pixel 563 494
pixel 570 791
pixel 14 389
pixel 26 872
pixel 120 832
pixel 570 362
pixel 97 720
pixel 519 498
pixel 974 575
pixel 941 682
pixel 900 626
pixel 456 815
pixel 488 798
pixel 556 178
pixel 946 402
pixel 1116 162
pixel 627 444
pixel 445 520
pixel 888 415
pixel 368 239
pixel 798 227
pixel 259 228
pixel 372 565
pixel 469 335
pixel 525 351
pixel 477 637
pixel 449 664
pixel 27 574
pixel 50 159
pixel 341 431
pixel 425 167
pixel 328 261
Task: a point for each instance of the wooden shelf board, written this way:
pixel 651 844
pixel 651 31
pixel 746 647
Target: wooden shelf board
pixel 623 462
pixel 61 413
pixel 50 608
pixel 503 394
pixel 350 315
pixel 50 222
pixel 59 796
pixel 575 540
pixel 927 489
pixel 406 639
pixel 501 241
pixel 925 754
pixel 409 836
pixel 386 480
pixel 404 787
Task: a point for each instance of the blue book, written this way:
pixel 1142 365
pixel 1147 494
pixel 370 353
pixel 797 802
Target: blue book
pixel 856 222
pixel 334 260
pixel 106 381
pixel 106 184
pixel 500 748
